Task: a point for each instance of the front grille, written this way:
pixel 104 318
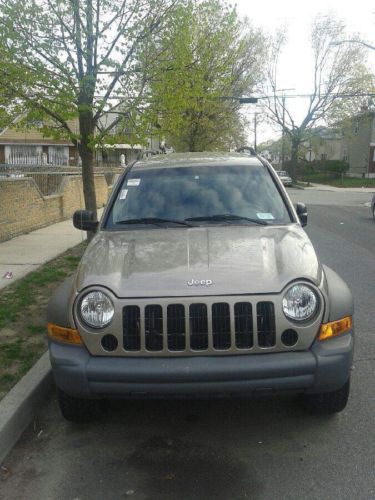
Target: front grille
pixel 198 327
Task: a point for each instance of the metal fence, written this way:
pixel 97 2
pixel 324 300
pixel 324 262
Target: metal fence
pixel 29 158
pixel 48 178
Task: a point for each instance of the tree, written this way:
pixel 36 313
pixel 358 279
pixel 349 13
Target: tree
pixel 339 72
pixel 208 55
pixel 68 59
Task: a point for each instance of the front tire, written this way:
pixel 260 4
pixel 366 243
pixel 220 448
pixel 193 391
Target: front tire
pixel 327 403
pixel 78 409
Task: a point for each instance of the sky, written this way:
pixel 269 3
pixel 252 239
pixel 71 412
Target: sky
pixel 297 16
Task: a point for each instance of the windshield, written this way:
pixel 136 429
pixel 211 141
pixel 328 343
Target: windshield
pixel 197 196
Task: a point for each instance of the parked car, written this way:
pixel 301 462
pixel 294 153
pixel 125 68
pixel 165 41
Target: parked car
pixel 373 206
pixel 284 177
pixel 200 280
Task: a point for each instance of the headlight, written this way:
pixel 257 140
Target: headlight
pixel 300 303
pixel 96 309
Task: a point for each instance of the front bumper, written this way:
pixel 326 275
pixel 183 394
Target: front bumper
pixel 325 367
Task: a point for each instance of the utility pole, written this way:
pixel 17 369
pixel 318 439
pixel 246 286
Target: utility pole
pixel 255 131
pixel 282 136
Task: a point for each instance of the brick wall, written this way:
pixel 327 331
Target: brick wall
pixel 23 208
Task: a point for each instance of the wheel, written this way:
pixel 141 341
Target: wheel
pixel 327 402
pixel 78 409
pixel 373 211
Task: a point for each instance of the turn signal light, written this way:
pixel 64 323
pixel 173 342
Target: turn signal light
pixel 61 334
pixel 335 328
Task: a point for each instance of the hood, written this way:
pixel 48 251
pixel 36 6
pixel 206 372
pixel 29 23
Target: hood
pixel 219 260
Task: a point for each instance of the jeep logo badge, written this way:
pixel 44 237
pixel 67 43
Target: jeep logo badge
pixel 194 282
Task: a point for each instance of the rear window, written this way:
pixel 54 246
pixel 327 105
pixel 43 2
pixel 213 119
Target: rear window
pixel 187 192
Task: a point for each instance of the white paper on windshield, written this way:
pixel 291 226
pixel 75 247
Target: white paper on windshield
pixel 265 216
pixel 134 182
pixel 123 194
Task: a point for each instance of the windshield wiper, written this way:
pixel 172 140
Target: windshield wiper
pixel 226 217
pixel 153 220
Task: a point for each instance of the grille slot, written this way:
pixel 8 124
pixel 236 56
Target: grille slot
pixel 243 323
pixel 221 325
pixel 176 327
pixel 131 328
pixel 154 328
pixel 266 324
pixel 198 327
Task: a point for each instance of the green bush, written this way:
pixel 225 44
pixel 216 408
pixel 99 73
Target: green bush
pixel 337 166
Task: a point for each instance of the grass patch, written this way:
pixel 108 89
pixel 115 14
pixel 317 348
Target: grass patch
pixel 33 329
pixel 339 182
pixel 23 316
pixel 24 292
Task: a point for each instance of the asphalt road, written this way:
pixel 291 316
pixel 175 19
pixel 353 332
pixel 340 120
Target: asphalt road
pixel 261 448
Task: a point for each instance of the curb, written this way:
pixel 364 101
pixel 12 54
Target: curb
pixel 18 407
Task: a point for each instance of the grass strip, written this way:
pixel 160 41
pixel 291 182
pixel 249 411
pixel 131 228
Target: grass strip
pixel 23 316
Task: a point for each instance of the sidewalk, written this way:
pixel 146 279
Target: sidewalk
pixel 25 253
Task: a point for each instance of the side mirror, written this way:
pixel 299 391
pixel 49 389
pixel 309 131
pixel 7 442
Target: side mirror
pixel 84 220
pixel 302 213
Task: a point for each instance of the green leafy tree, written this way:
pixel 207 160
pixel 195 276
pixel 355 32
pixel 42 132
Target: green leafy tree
pixel 209 56
pixel 65 59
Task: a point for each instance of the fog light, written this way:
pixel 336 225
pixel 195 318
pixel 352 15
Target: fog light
pixel 62 334
pixel 335 328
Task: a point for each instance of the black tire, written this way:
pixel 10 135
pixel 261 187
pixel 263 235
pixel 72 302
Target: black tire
pixel 77 409
pixel 326 403
pixel 373 211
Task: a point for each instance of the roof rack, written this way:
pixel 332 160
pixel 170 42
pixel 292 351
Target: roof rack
pixel 148 152
pixel 247 149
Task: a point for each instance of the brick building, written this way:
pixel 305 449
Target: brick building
pixel 30 147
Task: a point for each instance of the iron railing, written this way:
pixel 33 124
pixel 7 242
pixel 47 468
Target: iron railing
pixel 49 178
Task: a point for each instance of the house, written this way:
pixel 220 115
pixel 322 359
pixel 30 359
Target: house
pixel 359 141
pixel 31 147
pixel 352 141
pixel 326 144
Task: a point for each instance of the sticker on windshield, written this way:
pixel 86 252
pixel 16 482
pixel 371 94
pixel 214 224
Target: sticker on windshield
pixel 134 182
pixel 123 194
pixel 265 215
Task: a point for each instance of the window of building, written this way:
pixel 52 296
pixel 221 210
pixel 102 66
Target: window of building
pixel 58 155
pixel 323 156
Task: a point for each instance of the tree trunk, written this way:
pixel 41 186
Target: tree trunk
pixel 87 156
pixel 294 157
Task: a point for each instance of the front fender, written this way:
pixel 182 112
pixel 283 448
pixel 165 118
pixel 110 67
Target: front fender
pixel 340 299
pixel 58 311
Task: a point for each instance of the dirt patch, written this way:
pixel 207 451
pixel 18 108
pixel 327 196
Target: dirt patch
pixel 23 316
